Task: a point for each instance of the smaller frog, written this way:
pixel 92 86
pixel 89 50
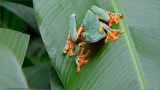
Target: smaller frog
pixel 95 26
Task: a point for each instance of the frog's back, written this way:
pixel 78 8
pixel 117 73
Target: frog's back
pixel 92 28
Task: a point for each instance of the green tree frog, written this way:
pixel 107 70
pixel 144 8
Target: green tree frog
pixel 95 26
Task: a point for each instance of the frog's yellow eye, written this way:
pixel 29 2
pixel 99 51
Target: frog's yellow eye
pixel 83 35
pixel 101 31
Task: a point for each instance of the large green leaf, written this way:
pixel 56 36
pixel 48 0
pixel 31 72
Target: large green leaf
pixel 11 21
pixel 11 75
pixel 24 12
pixel 38 76
pixel 42 76
pixel 54 80
pixel 37 52
pixel 17 42
pixel 132 62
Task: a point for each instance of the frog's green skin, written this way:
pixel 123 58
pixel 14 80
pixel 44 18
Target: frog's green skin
pixel 92 30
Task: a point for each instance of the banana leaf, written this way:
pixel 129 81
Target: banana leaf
pixel 38 76
pixel 16 42
pixel 24 12
pixel 11 76
pixel 132 62
pixel 54 80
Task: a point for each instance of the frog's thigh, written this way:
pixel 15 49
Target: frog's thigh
pixel 100 13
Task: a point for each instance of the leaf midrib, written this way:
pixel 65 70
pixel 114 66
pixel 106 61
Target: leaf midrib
pixel 130 46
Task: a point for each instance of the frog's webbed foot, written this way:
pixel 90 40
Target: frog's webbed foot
pixel 112 34
pixel 113 18
pixel 80 59
pixel 70 45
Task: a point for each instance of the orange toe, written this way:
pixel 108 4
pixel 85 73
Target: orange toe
pixel 121 15
pixel 106 40
pixel 71 52
pixel 121 31
pixel 85 61
pixel 115 38
pixel 116 22
pixel 78 70
pixel 89 51
pixel 64 51
pixel 110 24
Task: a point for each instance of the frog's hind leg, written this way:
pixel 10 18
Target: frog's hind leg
pixel 100 13
pixel 80 56
pixel 114 17
pixel 105 16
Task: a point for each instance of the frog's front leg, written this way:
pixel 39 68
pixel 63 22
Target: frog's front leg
pixel 79 57
pixel 111 33
pixel 70 45
pixel 73 36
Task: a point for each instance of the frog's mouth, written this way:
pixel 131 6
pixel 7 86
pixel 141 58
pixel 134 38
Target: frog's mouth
pixel 97 39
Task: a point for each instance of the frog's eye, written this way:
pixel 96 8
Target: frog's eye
pixel 83 35
pixel 102 31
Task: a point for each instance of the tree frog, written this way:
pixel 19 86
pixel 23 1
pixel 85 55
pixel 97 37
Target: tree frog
pixel 95 26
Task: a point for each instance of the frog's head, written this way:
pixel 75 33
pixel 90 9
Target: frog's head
pixel 93 36
pixel 93 30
